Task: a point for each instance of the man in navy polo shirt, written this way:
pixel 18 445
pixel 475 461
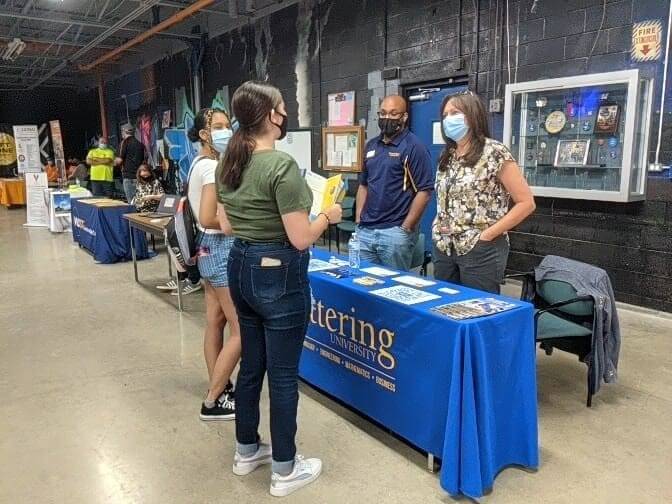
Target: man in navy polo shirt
pixel 394 188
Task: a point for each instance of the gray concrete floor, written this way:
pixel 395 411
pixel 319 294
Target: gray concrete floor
pixel 101 382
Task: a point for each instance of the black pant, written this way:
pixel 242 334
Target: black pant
pixel 192 274
pixel 273 304
pixel 481 268
pixel 102 188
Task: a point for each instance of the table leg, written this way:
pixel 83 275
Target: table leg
pixel 170 263
pixel 135 260
pixel 177 277
pixel 431 464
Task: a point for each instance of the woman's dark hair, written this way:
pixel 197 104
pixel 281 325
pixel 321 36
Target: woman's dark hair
pixel 145 166
pixel 251 104
pixel 471 105
pixel 202 121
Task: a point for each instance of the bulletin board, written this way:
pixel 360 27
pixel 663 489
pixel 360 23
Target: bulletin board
pixel 298 144
pixel 343 148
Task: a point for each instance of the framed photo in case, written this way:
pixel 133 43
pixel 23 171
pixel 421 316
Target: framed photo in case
pixel 608 115
pixel 572 153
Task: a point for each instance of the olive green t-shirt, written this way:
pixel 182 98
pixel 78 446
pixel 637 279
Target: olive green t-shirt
pixel 271 186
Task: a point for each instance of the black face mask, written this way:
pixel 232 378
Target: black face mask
pixel 146 178
pixel 283 126
pixel 390 127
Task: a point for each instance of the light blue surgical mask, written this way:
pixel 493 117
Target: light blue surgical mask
pixel 455 127
pixel 220 139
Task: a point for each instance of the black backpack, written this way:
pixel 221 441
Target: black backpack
pixel 182 229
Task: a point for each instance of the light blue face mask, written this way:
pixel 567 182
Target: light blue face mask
pixel 220 139
pixel 455 127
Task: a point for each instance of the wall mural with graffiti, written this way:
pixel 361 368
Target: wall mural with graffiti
pixel 176 144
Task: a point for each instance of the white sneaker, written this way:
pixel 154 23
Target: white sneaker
pixel 305 472
pixel 245 465
pixel 188 288
pixel 168 286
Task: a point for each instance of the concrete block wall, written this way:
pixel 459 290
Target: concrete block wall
pixel 351 41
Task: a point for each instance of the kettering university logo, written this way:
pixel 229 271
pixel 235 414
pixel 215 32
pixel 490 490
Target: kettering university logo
pixel 356 344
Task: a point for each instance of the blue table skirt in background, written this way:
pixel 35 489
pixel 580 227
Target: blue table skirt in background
pixel 104 232
pixel 464 391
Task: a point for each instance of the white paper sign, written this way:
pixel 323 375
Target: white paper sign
pixel 437 137
pixel 27 149
pixel 405 295
pixel 36 211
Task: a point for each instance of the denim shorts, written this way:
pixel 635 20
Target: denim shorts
pixel 213 257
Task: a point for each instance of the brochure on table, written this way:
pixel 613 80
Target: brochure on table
pixel 473 308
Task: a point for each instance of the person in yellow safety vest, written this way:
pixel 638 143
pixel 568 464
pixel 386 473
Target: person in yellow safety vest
pixel 101 160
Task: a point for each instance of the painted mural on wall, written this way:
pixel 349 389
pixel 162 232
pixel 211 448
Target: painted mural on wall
pixel 176 144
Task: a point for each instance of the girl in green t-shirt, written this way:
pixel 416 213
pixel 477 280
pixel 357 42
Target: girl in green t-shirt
pixel 265 203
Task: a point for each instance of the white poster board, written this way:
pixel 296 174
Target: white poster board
pixel 27 149
pixel 36 211
pixel 299 145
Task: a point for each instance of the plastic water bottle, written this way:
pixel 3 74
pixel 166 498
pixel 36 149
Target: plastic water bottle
pixel 353 252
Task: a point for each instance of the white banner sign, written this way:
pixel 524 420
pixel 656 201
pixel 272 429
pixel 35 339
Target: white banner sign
pixel 36 212
pixel 27 149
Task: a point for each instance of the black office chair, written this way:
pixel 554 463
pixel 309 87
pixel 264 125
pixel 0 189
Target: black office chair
pixel 562 320
pixel 347 224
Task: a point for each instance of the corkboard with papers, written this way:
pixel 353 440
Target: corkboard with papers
pixel 343 148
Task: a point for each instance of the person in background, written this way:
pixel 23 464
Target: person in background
pixel 475 179
pixel 51 170
pixel 212 129
pixel 149 190
pixel 265 203
pixel 131 156
pixel 394 188
pixel 78 173
pixel 101 160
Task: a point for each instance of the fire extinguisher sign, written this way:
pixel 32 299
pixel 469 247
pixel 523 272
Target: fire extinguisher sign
pixel 647 40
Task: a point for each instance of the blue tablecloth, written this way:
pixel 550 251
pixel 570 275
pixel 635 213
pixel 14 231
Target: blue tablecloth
pixel 103 231
pixel 464 391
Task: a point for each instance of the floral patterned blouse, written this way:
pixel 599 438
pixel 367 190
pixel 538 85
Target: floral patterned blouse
pixel 152 188
pixel 469 199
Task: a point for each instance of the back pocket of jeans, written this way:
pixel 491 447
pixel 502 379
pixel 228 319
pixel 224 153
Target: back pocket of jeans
pixel 269 283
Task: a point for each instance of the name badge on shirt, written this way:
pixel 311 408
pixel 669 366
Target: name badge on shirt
pixel 370 154
pixel 394 154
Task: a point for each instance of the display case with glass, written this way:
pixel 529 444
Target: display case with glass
pixel 582 137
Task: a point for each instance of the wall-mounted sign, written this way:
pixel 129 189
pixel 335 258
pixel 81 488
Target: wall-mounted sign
pixel 27 149
pixel 647 40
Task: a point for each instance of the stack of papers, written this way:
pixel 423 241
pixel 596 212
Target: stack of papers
pixel 381 272
pixel 326 191
pixel 414 281
pixel 473 308
pixel 319 265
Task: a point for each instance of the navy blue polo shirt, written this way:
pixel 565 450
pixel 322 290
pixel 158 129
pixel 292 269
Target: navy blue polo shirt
pixel 390 188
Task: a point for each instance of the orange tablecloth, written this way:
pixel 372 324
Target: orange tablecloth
pixel 12 191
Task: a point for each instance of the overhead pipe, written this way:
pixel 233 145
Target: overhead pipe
pixel 176 18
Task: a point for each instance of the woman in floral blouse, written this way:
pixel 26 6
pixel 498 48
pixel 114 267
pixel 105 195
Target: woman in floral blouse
pixel 476 178
pixel 148 190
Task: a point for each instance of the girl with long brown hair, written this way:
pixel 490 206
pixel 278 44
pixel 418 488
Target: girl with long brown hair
pixel 476 178
pixel 265 203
